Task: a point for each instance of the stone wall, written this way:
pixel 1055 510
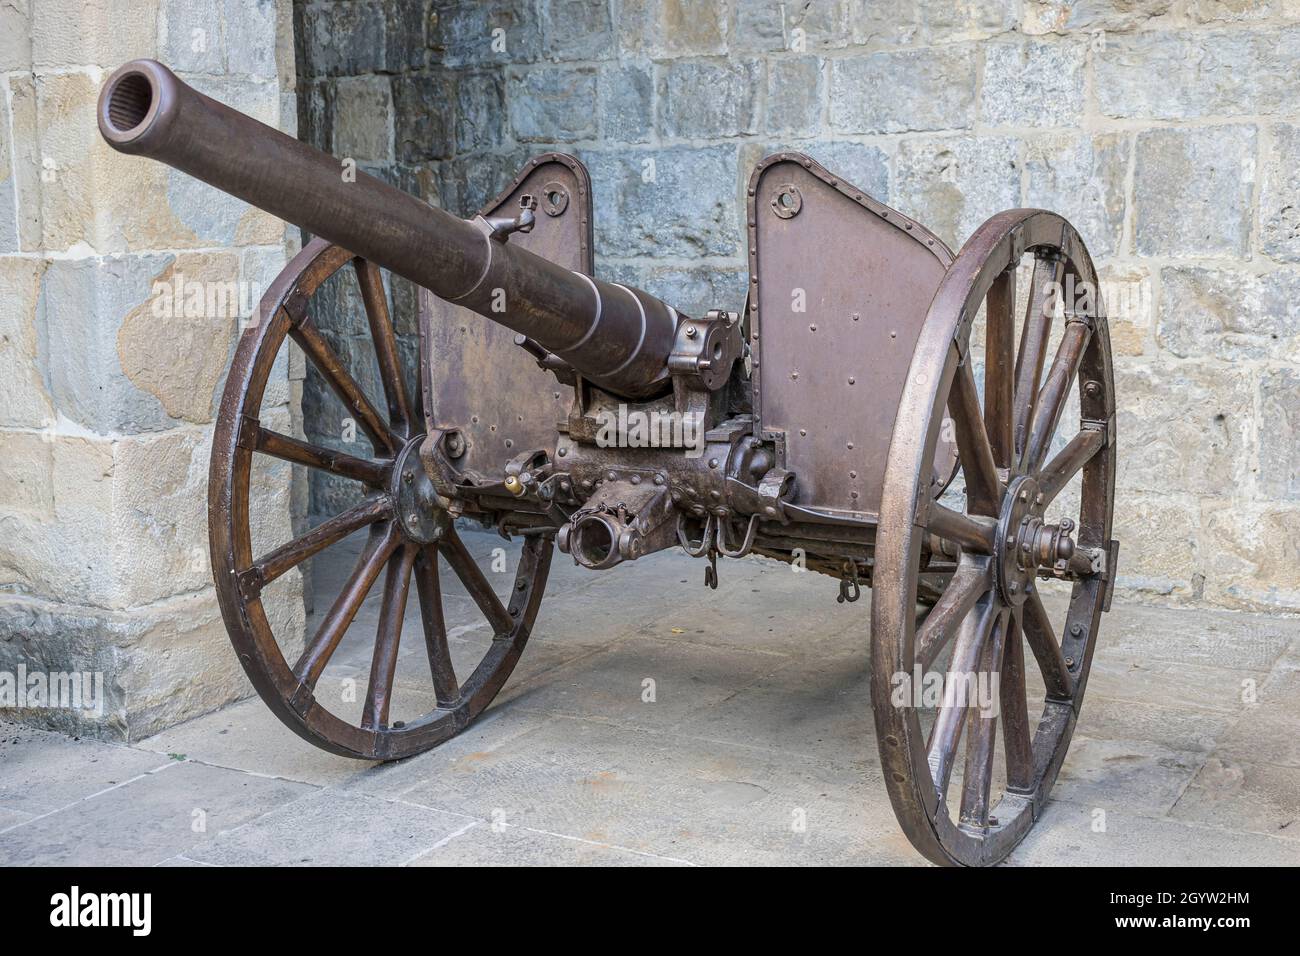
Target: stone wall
pixel 1164 129
pixel 106 398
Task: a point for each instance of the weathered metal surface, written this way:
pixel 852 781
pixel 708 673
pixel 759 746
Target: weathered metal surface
pixel 841 284
pixel 831 454
pixel 476 379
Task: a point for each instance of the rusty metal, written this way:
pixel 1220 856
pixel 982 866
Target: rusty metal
pixel 822 424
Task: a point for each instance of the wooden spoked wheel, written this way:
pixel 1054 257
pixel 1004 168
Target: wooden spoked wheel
pixel 1007 539
pixel 409 535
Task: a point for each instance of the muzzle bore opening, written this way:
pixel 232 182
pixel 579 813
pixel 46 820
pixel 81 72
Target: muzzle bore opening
pixel 129 102
pixel 593 542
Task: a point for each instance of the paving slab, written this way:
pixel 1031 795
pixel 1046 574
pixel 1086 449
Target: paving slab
pixel 42 771
pixel 1139 775
pixel 148 819
pixel 333 828
pixel 503 845
pixel 1067 835
pixel 1260 798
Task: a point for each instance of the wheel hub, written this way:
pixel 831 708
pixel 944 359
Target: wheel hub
pixel 420 513
pixel 1026 543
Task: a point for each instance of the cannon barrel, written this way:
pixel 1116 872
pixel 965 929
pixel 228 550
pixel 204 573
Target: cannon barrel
pixel 617 337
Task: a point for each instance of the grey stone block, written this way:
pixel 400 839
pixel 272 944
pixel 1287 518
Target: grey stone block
pixel 577 29
pixel 625 103
pixel 1076 16
pixel 951 186
pixel 1200 73
pixel 344 39
pixel 193 41
pixel 478 33
pixel 1258 798
pixel 380 833
pixel 422 124
pixel 1033 83
pixel 691 291
pixel 1226 314
pixel 1279 196
pixel 709 99
pixel 8 194
pixel 1192 191
pixel 1137 775
pixel 763 27
pixel 1279 432
pixel 149 819
pixel 633 188
pixel 251 27
pixel 363 119
pixel 669 28
pixel 794 95
pixel 480 111
pixel 862 165
pixel 896 92
pixel 1083 178
pixel 553 105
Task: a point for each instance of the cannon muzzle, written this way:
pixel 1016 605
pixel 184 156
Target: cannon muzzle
pixel 617 337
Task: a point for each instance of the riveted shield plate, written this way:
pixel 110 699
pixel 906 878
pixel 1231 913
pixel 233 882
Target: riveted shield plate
pixel 840 286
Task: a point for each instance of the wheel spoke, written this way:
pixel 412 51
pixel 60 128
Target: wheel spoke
pixel 1047 649
pixel 1033 343
pixel 445 687
pixel 453 549
pixel 972 634
pixel 331 368
pixel 975 533
pixel 381 330
pixel 999 364
pixel 270 566
pixel 388 636
pixel 1016 737
pixel 981 733
pixel 1055 391
pixel 970 582
pixel 1077 453
pixel 383 542
pixel 983 489
pixel 314 456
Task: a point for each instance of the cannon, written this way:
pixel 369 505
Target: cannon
pixel 878 409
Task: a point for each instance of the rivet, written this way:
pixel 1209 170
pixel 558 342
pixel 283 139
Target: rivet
pixel 635 479
pixel 562 452
pixel 852 380
pixel 713 463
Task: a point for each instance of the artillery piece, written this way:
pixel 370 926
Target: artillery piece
pixel 830 436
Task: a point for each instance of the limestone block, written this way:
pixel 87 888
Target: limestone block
pixel 1033 83
pixel 1198 444
pixel 553 105
pixel 577 29
pixel 24 399
pixel 1230 314
pixel 252 29
pixel 1068 16
pixel 1081 177
pixel 1193 73
pixel 669 28
pixel 1192 191
pixel 1279 196
pixel 1159 553
pixel 709 99
pixel 8 190
pixel 1130 306
pixel 633 188
pixel 104 33
pixel 895 92
pixel 952 185
pixel 1279 434
pixel 1252 550
pixel 15 35
pixel 190 38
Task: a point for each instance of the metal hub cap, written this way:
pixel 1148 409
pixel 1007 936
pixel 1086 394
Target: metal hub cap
pixel 1027 543
pixel 420 514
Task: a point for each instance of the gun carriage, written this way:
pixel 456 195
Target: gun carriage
pixel 900 433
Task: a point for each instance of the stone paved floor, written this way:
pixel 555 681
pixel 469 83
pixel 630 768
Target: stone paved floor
pixel 761 716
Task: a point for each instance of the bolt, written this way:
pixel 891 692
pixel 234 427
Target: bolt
pixel 812 328
pixel 794 376
pixel 1092 389
pixel 853 474
pixel 1069 662
pixel 612 476
pixel 412 520
pixel 659 479
pixel 408 476
pixel 1013 587
pixel 1076 629
pixel 691 331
